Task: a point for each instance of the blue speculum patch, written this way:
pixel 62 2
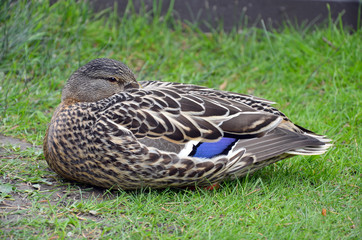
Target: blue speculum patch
pixel 209 150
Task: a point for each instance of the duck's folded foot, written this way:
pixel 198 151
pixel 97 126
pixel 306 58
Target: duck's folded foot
pixel 212 187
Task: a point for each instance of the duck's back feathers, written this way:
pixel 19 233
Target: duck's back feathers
pixel 174 112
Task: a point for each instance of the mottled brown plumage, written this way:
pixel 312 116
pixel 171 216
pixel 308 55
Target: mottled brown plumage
pixel 111 131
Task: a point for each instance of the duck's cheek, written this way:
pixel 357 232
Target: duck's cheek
pixel 102 89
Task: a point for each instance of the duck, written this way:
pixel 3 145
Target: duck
pixel 112 131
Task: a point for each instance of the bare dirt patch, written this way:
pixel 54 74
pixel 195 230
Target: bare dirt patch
pixel 17 194
pixel 6 141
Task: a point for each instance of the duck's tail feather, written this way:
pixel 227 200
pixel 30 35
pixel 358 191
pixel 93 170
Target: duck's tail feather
pixel 313 149
pixel 280 141
pixel 276 145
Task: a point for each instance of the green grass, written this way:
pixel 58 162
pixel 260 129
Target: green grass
pixel 313 73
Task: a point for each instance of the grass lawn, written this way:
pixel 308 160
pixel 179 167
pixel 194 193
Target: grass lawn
pixel 314 74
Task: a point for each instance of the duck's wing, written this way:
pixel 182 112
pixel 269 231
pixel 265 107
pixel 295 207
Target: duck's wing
pixel 278 136
pixel 180 115
pixel 257 104
pixel 129 164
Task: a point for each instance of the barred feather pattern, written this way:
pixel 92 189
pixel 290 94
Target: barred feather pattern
pixel 150 136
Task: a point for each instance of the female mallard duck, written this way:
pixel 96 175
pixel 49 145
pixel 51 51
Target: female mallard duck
pixel 111 131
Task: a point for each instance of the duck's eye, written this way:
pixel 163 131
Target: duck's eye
pixel 112 79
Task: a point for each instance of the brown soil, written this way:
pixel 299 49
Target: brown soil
pixel 53 187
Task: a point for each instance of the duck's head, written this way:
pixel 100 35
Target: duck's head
pixel 98 79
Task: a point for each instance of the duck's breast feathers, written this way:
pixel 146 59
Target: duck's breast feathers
pixel 179 113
